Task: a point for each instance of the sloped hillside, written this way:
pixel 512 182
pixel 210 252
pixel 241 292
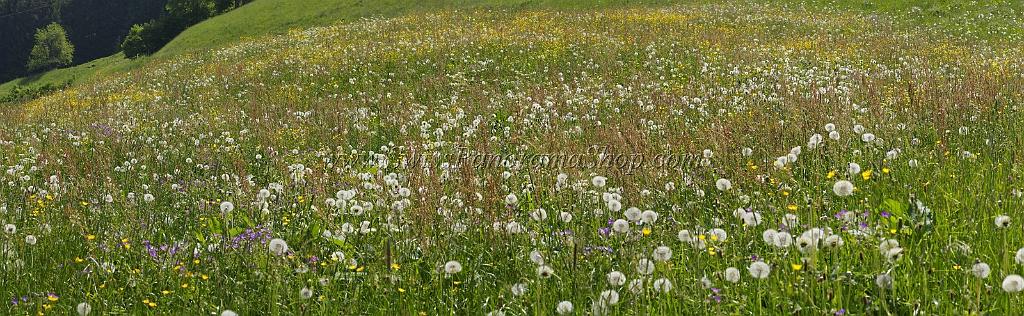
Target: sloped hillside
pixel 701 158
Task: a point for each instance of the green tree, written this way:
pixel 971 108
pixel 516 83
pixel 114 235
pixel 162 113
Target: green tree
pixel 52 49
pixel 135 43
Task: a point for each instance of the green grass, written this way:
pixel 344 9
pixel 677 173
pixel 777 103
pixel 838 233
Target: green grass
pixel 278 16
pixel 268 17
pixel 94 176
pixel 77 74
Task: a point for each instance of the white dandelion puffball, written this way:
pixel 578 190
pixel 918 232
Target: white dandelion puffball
pixel 539 215
pixel 305 293
pixel 783 240
pixel 632 214
pixel 561 178
pixel 452 267
pixel 747 152
pixel 780 162
pixel 719 233
pixel 751 219
pixel 636 286
pixel 278 246
pixel 228 312
pixel 662 253
pixel 511 199
pixel 620 226
pixel 981 270
pixel 599 181
pixel 226 207
pixel 514 228
pixel 732 275
pixel 1019 256
pixel 662 285
pixel 83 309
pixel 545 272
pixel 888 244
pixel 884 281
pixel 1002 221
pixel 853 168
pixel 830 127
pixel 564 308
pixel 616 278
pixel 537 257
pixel 894 254
pixel 834 241
pixel 10 229
pixel 1013 283
pixel 867 137
pixel 30 240
pixel 723 184
pixel 565 217
pixel 843 188
pixel 645 266
pixel 614 205
pixel 519 289
pixel 768 236
pixel 649 217
pixel 759 270
pixel 609 297
pixel 805 244
pixel 686 237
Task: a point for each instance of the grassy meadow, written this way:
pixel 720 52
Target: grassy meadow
pixel 828 160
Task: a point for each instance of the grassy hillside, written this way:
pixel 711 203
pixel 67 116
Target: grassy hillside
pixel 268 17
pixel 278 16
pixel 988 18
pixel 705 158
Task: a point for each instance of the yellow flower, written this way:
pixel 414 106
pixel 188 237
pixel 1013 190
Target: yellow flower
pixel 646 231
pixel 831 174
pixel 885 170
pixel 395 266
pixel 51 297
pixel 796 267
pixel 90 237
pixel 401 290
pixel 714 237
pixel 866 174
pixel 184 285
pixel 791 207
